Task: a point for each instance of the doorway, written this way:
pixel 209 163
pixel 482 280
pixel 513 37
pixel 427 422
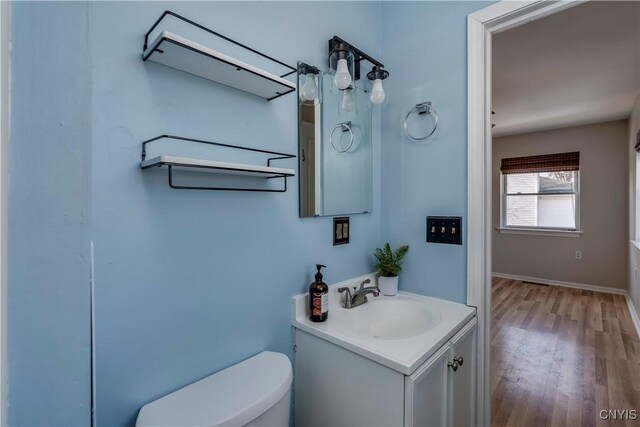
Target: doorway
pixel 482 26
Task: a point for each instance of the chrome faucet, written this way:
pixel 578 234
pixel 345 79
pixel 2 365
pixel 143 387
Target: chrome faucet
pixel 359 296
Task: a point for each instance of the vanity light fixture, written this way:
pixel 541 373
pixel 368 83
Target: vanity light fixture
pixel 344 63
pixel 342 79
pixel 347 102
pixel 309 89
pixel 377 75
pixel 341 62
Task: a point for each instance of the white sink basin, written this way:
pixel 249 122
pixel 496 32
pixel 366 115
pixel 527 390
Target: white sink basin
pixel 387 318
pixel 400 332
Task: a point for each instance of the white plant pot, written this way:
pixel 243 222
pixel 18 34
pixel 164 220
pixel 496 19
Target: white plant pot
pixel 388 285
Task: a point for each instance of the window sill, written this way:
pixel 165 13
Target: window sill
pixel 636 243
pixel 540 232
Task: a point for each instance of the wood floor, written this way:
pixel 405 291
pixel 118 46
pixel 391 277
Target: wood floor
pixel 559 356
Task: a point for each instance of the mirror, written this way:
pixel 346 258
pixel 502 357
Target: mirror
pixel 334 145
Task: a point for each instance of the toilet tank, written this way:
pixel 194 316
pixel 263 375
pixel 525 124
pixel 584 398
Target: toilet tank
pixel 254 392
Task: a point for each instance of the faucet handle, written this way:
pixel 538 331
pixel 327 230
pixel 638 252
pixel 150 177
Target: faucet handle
pixel 346 302
pixel 345 289
pixel 364 282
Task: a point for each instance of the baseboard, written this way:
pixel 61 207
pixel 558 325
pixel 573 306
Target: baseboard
pixel 560 283
pixel 632 310
pixel 634 313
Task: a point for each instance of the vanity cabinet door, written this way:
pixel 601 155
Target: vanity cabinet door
pixel 426 392
pixel 463 379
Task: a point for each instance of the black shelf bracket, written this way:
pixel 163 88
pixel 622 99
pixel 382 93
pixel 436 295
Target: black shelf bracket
pixel 215 33
pixel 273 155
pixel 278 87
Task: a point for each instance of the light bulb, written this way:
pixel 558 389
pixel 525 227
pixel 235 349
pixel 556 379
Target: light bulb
pixel 347 103
pixel 377 92
pixel 309 90
pixel 342 79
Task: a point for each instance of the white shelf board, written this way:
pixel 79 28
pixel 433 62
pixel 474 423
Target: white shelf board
pixel 182 54
pixel 217 166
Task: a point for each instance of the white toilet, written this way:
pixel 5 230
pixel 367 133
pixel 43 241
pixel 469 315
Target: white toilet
pixel 256 392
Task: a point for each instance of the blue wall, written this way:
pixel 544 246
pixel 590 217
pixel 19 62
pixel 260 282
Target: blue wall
pixel 49 195
pixel 188 283
pixel 424 46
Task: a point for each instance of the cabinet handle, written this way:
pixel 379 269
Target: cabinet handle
pixel 454 365
pixel 459 359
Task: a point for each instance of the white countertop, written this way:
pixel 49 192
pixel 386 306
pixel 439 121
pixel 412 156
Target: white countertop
pixel 404 355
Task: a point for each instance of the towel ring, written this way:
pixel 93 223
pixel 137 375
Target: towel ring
pixel 344 127
pixel 421 109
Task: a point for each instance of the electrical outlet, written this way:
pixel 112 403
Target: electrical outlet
pixel 340 230
pixel 578 254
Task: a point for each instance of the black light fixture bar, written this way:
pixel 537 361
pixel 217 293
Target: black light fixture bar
pixel 307 69
pixel 377 73
pixel 357 53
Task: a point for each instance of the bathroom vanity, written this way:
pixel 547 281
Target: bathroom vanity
pixel 402 360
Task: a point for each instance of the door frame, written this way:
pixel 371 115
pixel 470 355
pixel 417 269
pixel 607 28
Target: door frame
pixel 481 25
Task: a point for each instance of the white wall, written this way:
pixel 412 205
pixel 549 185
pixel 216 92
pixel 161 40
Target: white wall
pixel 604 212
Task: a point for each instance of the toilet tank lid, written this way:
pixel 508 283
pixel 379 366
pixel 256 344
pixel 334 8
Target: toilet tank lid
pixel 234 396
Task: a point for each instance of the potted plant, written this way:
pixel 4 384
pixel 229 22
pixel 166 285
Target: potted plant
pixel 389 265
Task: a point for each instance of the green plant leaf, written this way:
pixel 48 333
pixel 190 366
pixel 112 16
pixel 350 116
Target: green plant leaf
pixel 389 262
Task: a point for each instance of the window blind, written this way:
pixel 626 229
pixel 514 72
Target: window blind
pixel 544 163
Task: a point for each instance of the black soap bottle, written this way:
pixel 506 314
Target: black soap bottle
pixel 318 298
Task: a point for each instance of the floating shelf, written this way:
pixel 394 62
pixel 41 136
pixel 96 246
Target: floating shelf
pixel 183 54
pixel 219 167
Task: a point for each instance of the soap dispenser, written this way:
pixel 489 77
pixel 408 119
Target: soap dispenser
pixel 318 298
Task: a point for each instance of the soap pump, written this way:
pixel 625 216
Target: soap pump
pixel 318 298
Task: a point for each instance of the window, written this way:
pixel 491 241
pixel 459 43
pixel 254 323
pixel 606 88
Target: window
pixel 541 192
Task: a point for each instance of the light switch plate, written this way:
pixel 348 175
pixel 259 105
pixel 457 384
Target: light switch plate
pixel 444 229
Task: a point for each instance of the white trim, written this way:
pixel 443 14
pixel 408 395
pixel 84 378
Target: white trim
pixel 634 314
pixel 506 15
pixel 503 206
pixel 478 210
pixel 480 26
pixel 594 288
pixel 540 232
